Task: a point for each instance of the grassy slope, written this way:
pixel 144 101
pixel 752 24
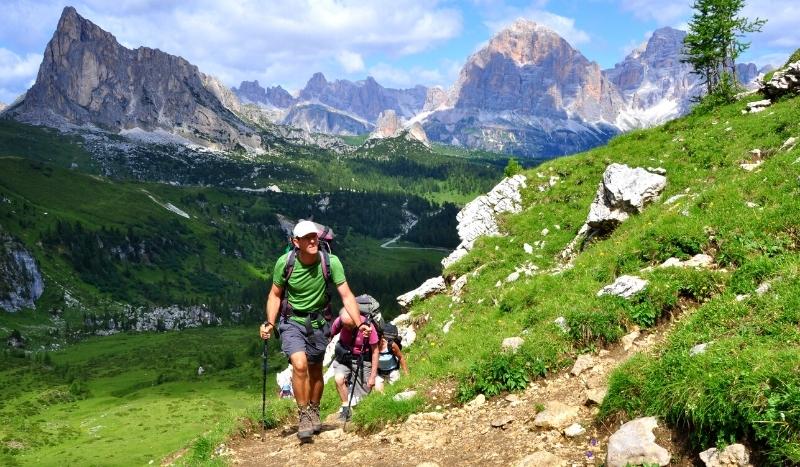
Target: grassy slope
pixel 144 397
pixel 746 386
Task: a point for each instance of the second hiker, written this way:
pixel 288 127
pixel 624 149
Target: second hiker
pixel 356 360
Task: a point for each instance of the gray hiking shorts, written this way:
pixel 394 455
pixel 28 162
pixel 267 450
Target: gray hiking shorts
pixel 294 339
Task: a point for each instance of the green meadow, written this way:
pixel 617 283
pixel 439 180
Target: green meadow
pixel 130 398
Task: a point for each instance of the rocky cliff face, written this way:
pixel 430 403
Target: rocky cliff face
pixel 388 125
pixel 319 118
pixel 21 281
pixel 87 77
pixel 528 92
pixel 366 98
pixel 391 126
pixel 479 216
pixel 275 96
pixel 656 85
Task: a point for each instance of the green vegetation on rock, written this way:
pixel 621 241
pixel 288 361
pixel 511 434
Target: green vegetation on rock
pixel 744 387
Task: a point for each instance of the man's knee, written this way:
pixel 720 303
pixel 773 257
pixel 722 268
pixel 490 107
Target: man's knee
pixel 299 364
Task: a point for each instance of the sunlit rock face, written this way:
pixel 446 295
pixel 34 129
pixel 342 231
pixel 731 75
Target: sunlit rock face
pixel 88 78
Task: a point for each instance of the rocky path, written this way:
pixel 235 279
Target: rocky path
pixel 510 430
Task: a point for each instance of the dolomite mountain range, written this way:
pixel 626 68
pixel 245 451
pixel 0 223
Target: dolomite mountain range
pixel 528 92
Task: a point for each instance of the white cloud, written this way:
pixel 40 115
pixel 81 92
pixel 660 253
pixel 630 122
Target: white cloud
pixel 781 30
pixel 244 39
pixel 350 61
pixel 16 73
pixel 564 26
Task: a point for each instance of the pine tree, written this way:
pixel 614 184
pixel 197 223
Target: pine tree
pixel 714 42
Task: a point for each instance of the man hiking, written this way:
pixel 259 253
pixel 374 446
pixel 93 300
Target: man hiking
pixel 303 321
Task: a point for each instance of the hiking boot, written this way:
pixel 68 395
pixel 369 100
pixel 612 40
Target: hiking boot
pixel 316 423
pixel 344 414
pixel 305 429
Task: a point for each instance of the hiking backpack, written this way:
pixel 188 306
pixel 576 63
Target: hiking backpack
pixel 368 307
pixel 392 334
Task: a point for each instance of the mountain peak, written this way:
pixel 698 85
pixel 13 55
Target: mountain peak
pixel 317 79
pixel 73 27
pixel 526 42
pixel 87 77
pixel 526 26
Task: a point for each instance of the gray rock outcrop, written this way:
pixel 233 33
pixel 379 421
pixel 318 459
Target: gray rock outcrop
pixel 784 81
pixel 389 125
pixel 622 192
pixel 479 216
pixel 275 96
pixel 21 281
pixel 734 455
pixel 366 99
pixel 634 444
pixel 319 118
pixel 87 77
pixel 160 318
pixel 624 286
pixel 430 287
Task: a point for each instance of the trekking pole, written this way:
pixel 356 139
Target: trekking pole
pixel 359 370
pixel 264 393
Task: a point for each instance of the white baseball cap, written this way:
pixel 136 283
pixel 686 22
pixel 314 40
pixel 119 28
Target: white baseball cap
pixel 304 228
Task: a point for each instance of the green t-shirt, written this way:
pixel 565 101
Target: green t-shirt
pixel 306 288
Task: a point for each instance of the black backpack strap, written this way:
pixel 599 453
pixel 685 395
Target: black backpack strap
pixel 325 258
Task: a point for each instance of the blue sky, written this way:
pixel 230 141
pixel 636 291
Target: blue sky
pixel 398 42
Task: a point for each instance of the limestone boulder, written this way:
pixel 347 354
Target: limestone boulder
pixel 735 455
pixel 430 287
pixel 623 191
pixel 634 444
pixel 783 82
pixel 624 286
pixel 556 415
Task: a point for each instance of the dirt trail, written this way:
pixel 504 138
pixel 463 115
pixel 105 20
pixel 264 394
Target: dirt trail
pixel 466 435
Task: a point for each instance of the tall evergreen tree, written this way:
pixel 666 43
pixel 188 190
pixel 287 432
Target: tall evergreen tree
pixel 714 41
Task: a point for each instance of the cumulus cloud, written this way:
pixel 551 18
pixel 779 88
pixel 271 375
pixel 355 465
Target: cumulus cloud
pixel 350 61
pixel 781 30
pixel 244 39
pixel 16 73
